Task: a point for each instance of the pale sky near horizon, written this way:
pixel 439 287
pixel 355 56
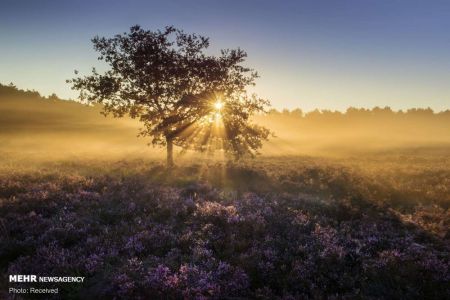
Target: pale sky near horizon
pixel 310 54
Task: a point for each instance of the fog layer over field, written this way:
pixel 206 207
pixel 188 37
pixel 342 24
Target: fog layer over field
pixel 33 126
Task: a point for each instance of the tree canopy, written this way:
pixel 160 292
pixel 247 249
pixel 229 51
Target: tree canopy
pixel 182 95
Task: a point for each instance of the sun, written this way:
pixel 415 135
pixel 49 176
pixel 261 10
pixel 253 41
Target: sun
pixel 218 105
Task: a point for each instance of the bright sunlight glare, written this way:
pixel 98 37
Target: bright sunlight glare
pixel 218 105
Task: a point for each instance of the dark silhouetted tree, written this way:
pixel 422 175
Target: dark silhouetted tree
pixel 182 96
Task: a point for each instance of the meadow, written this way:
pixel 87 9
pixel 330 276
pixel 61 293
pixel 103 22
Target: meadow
pixel 287 227
pixel 363 224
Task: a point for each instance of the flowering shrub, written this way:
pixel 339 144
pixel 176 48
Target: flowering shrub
pixel 322 232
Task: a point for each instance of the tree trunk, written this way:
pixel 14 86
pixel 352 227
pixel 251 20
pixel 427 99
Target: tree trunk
pixel 169 152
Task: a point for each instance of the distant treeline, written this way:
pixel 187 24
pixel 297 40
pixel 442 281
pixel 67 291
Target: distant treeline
pixel 358 128
pixel 27 111
pixel 412 122
pixel 358 112
pixel 414 118
pixel 10 91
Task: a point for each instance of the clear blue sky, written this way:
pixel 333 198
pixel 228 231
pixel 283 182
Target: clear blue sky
pixel 310 54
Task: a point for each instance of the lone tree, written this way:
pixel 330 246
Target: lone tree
pixel 182 95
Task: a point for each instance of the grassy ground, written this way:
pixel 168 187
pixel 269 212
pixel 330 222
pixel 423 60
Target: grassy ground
pixel 362 226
